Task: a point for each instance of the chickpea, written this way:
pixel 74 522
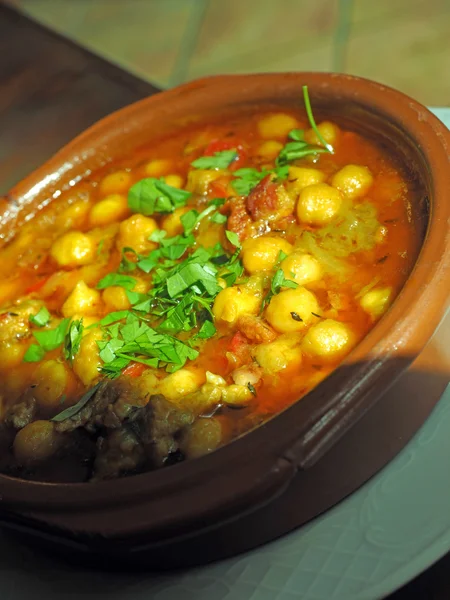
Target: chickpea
pixel 328 340
pixel 179 384
pixel 51 378
pixel 134 233
pixel 292 310
pixel 172 223
pixel 36 442
pixel 329 131
pixel 236 395
pixel 376 302
pixel 270 149
pixel 233 302
pixel 109 210
pixel 158 167
pixel 199 179
pixel 115 297
pixel 115 183
pixel 11 354
pixel 353 180
pixel 87 362
pixel 202 437
pixel 73 249
pixel 301 268
pixel 82 301
pixel 174 180
pixel 276 126
pixel 301 177
pixel 318 204
pixel 74 215
pixel 261 254
pixel 278 355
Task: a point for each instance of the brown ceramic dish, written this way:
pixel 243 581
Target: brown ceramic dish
pixel 166 515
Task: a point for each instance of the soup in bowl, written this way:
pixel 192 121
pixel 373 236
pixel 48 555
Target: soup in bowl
pixel 233 272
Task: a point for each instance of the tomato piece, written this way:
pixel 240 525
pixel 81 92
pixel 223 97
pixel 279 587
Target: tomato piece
pixel 134 369
pixel 237 342
pixel 219 188
pixel 37 285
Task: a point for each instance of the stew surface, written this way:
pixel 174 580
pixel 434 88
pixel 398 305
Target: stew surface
pixel 176 299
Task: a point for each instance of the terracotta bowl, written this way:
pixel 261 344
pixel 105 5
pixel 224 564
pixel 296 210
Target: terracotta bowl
pixel 266 482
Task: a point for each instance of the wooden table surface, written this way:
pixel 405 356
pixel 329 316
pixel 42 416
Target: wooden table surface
pixel 51 90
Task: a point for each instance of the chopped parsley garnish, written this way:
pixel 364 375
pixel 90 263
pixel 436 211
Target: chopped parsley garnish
pixel 251 387
pixel 41 318
pixel 248 178
pixel 278 281
pixel 116 279
pixel 72 339
pixel 34 353
pixel 298 148
pixel 233 238
pixel 149 196
pixel 48 340
pixel 219 160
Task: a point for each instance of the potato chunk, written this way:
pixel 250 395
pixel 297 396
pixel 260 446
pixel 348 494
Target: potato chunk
pixel 36 442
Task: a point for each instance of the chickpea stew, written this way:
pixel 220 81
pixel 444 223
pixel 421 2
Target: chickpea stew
pixel 175 300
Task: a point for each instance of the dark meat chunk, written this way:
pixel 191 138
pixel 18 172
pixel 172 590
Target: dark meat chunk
pixel 121 452
pixel 109 407
pixel 256 329
pixel 239 220
pixel 22 413
pixel 269 201
pixel 158 425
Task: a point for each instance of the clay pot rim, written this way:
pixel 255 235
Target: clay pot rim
pixel 423 299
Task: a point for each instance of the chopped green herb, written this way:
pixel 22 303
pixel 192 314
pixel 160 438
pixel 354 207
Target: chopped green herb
pixel 52 338
pixel 127 265
pixel 113 279
pixel 298 135
pixel 72 339
pixel 296 317
pixel 278 281
pixel 100 246
pixel 247 179
pixel 34 353
pixel 233 238
pixel 41 318
pixel 251 387
pixel 219 218
pixel 71 411
pixel 219 160
pixel 316 315
pixel 312 122
pixel 150 195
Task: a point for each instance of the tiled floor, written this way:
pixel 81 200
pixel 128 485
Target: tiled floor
pixel 402 43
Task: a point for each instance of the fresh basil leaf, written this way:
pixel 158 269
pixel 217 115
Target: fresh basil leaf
pixel 116 279
pixel 41 318
pixel 34 353
pixel 73 339
pixel 219 160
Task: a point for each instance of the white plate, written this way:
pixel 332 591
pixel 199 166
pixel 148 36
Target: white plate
pixel 387 532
